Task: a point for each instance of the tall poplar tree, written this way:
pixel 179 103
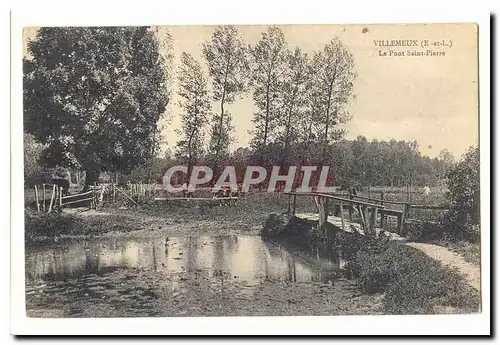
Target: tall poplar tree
pixel 226 56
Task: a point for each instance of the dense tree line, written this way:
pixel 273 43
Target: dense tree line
pixel 353 163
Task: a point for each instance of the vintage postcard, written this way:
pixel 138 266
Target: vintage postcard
pixel 251 170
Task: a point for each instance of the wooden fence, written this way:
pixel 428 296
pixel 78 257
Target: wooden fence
pixel 50 197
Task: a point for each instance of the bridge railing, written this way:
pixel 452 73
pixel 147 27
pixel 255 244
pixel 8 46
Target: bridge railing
pixel 368 209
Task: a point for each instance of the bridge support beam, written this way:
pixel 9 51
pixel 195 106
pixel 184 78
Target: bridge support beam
pixel 373 220
pixel 402 219
pixel 322 210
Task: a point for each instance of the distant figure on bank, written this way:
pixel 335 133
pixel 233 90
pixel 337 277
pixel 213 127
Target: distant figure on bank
pixel 427 190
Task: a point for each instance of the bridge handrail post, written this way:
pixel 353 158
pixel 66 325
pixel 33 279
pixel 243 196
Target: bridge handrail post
pixel 373 219
pixel 366 220
pixel 351 196
pixel 342 215
pixel 383 216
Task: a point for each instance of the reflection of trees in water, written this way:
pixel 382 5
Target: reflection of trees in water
pixel 292 269
pixel 248 258
pixel 91 261
pixel 165 258
pixel 320 266
pixel 58 263
pixel 219 252
pixel 191 253
pixel 155 266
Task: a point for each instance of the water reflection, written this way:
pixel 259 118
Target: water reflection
pixel 245 258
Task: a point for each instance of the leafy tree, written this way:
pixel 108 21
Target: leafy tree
pixel 195 103
pixel 335 77
pixel 150 172
pixel 269 64
pixel 447 160
pixel 309 122
pixel 32 153
pixel 361 154
pixel 294 98
pixel 463 181
pixel 226 56
pixel 94 96
pixel 446 157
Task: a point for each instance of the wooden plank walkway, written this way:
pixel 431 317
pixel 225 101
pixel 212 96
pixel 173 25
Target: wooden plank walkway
pixel 349 226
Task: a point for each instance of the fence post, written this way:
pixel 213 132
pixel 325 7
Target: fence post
pixel 60 196
pixel 52 196
pixel 36 198
pixel 139 197
pixel 43 186
pixel 101 197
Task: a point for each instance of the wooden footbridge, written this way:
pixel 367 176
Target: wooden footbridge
pixel 351 212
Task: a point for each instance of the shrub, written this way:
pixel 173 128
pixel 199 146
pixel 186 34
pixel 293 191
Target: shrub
pixel 464 194
pixel 275 225
pixel 425 231
pixel 298 231
pixel 354 242
pixel 412 282
pixel 32 152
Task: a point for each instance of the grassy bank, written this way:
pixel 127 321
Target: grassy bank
pixel 471 252
pixel 412 282
pixel 409 280
pixel 435 232
pixel 180 218
pixel 57 226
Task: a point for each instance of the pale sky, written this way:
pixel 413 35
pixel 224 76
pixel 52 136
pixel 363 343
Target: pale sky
pixel 431 99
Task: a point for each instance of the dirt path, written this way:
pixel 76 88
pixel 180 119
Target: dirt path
pixel 471 272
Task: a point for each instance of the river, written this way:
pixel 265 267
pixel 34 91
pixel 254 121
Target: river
pixel 175 276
